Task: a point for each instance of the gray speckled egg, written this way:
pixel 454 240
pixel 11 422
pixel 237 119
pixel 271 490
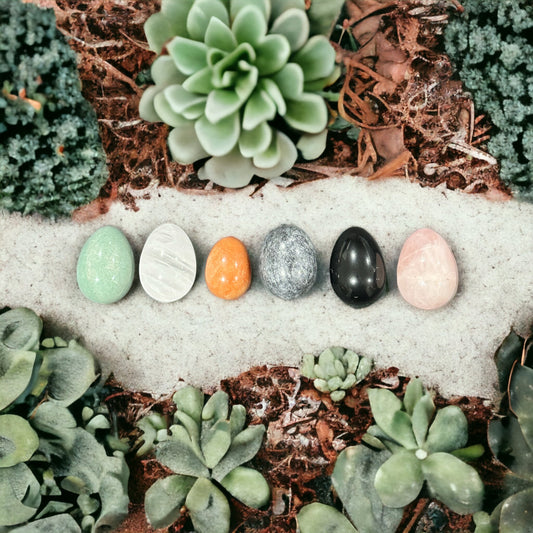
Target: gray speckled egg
pixel 288 262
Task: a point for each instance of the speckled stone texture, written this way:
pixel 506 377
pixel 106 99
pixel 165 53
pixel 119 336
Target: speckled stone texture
pixel 288 263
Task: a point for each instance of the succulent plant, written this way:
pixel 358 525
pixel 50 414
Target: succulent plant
pixel 336 371
pixel 55 471
pixel 510 437
pixel 242 81
pixel 206 447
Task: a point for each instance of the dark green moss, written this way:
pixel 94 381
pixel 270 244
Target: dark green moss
pixel 51 159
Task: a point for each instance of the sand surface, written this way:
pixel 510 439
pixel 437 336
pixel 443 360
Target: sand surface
pixel 200 339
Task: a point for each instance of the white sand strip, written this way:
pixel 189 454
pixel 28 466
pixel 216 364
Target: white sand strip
pixel 149 345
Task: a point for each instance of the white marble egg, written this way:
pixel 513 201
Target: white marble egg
pixel 167 268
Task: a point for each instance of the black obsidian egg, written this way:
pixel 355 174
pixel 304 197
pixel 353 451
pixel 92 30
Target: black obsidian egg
pixel 357 269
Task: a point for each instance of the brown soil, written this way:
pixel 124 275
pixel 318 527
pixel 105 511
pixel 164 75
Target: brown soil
pixel 415 120
pixel 305 433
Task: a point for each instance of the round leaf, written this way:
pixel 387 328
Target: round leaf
pixel 232 170
pixel 218 35
pixel 516 513
pixel 399 480
pixel 16 370
pixel 248 486
pixel 202 11
pixel 317 58
pixel 293 24
pixel 189 56
pixel 312 145
pixel 147 109
pixel 253 142
pixel 318 517
pixel 250 25
pixel 184 145
pixel 20 329
pixel 453 482
pixel 290 80
pixel 220 138
pixel 273 53
pixel 449 430
pixel 62 522
pixel 208 507
pixel 259 108
pixel 308 114
pixel 288 155
pixel 18 441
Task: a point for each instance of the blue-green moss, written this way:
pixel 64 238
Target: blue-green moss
pixel 491 45
pixel 51 159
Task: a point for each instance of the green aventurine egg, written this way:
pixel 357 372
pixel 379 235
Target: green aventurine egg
pixel 106 266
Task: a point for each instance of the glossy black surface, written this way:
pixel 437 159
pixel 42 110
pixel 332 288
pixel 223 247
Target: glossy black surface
pixel 357 269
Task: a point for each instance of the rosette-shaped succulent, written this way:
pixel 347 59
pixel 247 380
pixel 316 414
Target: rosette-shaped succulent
pixel 240 85
pixel 336 371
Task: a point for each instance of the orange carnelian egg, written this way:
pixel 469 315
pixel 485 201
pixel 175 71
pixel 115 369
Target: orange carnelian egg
pixel 227 272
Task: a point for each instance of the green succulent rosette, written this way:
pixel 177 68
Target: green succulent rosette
pixel 241 85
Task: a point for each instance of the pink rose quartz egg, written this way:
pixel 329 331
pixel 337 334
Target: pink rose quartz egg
pixel 427 273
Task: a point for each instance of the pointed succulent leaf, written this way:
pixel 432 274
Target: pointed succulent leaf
pixel 275 94
pixel 312 145
pixel 61 522
pixel 364 368
pixel 18 441
pixel 70 372
pixel 307 367
pixel 326 361
pixel 259 108
pixel 290 80
pixel 164 499
pixel 509 352
pixel 218 35
pixel 421 417
pixel 158 30
pixel 453 482
pixel 256 141
pixel 279 6
pixel 515 514
pixel 521 399
pixel 16 371
pixel 353 479
pixel 192 427
pixel 340 369
pixel 294 25
pixel 273 52
pixel 243 448
pixel 200 82
pixel 189 56
pixel 469 453
pixel 483 523
pixel 20 329
pixel 164 111
pixel 222 103
pixel 181 458
pixel 184 145
pixel 449 430
pixel 248 486
pixel 164 72
pixel 237 419
pixel 399 480
pixel 17 486
pixel 288 158
pixel 202 11
pixel 384 405
pixel 181 100
pixel 316 57
pixel 321 385
pixel 334 383
pixel 270 157
pixel 317 518
pixel 239 5
pixel 216 442
pixel 351 361
pixel 220 138
pixel 216 408
pixel 51 417
pixel 413 393
pixel 320 372
pixel 250 25
pixel 191 401
pixel 208 507
pixel 349 382
pixel 337 395
pixel 308 114
pixel 232 170
pixel 323 15
pixel 401 430
pixel 386 440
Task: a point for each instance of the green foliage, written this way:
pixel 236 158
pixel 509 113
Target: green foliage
pixel 206 447
pixel 55 471
pixel 492 48
pixel 242 86
pixel 336 371
pixel 51 157
pixel 510 438
pixel 411 445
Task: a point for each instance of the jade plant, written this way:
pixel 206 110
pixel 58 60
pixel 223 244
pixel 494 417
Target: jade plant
pixel 242 85
pixel 490 45
pixel 56 471
pixel 411 444
pixel 510 437
pixel 336 371
pixel 205 447
pixel 51 155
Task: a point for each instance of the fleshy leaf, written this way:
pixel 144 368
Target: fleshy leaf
pixel 164 72
pixel 16 371
pixel 516 513
pixel 449 430
pixel 200 82
pixel 272 54
pixel 288 158
pixel 232 170
pixel 311 146
pixel 243 448
pixel 181 458
pixel 317 517
pixel 252 142
pixel 453 482
pixel 294 25
pixel 217 407
pixel 208 507
pixel 399 480
pixel 308 114
pixel 222 103
pixel 249 25
pixel 290 80
pixel 62 522
pixel 270 157
pixel 164 499
pixel 18 441
pixel 521 399
pixel 421 417
pixel 191 401
pixel 165 112
pixel 413 393
pixel 237 419
pixel 147 109
pixel 275 94
pixel 323 14
pixel 20 329
pixel 316 57
pixel 189 56
pixel 216 442
pixel 279 6
pixel 248 486
pixel 220 138
pixel 192 427
pixel 238 5
pixel 353 479
pixel 509 351
pixel 202 11
pixel 218 35
pixel 259 108
pixel 180 99
pixel 184 145
pixel 158 30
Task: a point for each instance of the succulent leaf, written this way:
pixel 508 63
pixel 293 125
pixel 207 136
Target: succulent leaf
pixel 453 482
pixel 317 518
pixel 180 457
pixel 516 513
pixel 413 394
pixel 449 430
pixel 521 400
pixel 399 480
pixel 237 419
pixel 165 498
pixel 247 485
pixel 293 24
pixel 353 479
pixel 509 351
pixel 18 441
pixel 20 329
pixel 17 486
pixel 216 442
pixel 421 417
pixel 16 371
pixel 208 507
pixel 61 522
pixel 312 145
